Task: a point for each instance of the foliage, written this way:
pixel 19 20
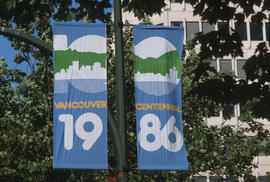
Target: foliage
pixel 26 100
pixel 140 8
pixel 222 149
pixel 212 45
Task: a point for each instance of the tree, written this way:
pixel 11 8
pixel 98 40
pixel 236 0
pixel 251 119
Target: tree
pixel 226 149
pixel 26 109
pixel 26 100
pixel 252 93
pixel 212 46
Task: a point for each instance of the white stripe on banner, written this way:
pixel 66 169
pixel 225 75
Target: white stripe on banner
pixel 80 96
pixel 160 139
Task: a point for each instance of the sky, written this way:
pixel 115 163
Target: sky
pixel 6 50
pixel 9 53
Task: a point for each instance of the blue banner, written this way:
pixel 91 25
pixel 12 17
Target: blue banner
pixel 80 96
pixel 160 138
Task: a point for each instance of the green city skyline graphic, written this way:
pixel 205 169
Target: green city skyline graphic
pixel 66 57
pixel 161 65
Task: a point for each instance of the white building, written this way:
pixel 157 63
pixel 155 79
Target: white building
pixel 181 14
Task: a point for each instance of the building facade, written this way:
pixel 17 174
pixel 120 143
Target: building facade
pixel 181 14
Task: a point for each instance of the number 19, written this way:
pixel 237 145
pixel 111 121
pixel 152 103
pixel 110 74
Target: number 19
pixel 89 137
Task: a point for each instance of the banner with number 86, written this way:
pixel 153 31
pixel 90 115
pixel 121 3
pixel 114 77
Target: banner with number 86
pixel 158 51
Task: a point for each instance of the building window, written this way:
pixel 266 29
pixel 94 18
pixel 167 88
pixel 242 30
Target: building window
pixel 176 23
pixel 191 29
pixel 226 66
pixel 175 1
pixel 221 179
pixel 241 30
pixel 213 64
pixel 267 25
pixel 256 31
pixel 223 27
pixel 228 111
pixel 264 178
pixel 240 71
pixel 199 178
pixel 243 109
pixel 207 27
pixel 215 179
pixel 266 152
pixel 232 179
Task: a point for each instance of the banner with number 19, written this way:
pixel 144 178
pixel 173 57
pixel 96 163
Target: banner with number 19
pixel 80 96
pixel 158 51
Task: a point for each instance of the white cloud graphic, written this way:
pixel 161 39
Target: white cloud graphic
pixel 153 47
pixel 88 43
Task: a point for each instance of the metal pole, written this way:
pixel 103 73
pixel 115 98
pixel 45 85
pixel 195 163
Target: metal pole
pixel 122 166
